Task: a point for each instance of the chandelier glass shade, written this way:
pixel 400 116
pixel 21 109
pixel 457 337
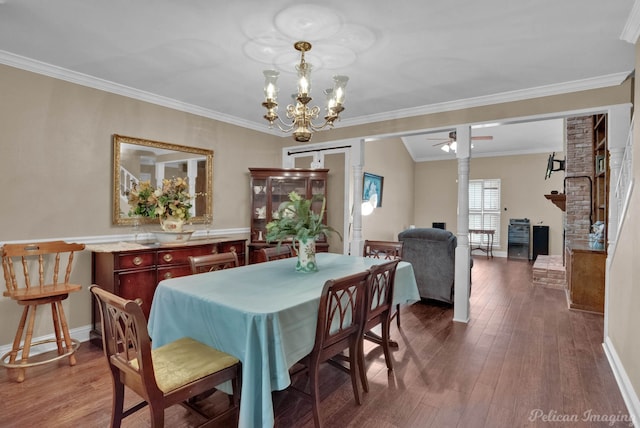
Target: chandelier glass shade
pixel 299 113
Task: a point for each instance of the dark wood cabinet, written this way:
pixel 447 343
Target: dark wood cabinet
pixel 585 268
pixel 269 188
pixel 134 272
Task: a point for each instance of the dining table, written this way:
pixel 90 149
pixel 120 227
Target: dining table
pixel 264 314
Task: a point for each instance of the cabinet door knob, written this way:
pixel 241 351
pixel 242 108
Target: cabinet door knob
pixel 167 275
pixel 137 260
pixel 167 257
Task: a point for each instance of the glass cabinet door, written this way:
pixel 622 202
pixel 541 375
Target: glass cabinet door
pixel 259 210
pixel 281 187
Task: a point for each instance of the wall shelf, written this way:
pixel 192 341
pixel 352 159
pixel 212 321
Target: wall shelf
pixel 558 200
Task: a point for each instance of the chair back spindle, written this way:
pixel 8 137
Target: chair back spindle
pixel 45 252
pixel 213 262
pixel 281 251
pixel 379 305
pixel 340 321
pixel 380 291
pixel 387 250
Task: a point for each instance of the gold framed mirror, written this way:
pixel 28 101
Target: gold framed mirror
pixel 136 159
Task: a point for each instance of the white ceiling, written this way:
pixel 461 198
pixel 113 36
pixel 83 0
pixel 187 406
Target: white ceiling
pixel 403 58
pixel 507 139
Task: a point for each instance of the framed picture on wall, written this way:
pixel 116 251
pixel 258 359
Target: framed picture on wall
pixel 372 187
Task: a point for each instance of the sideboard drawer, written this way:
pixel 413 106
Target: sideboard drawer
pixel 237 246
pixel 173 272
pixel 181 256
pixel 135 260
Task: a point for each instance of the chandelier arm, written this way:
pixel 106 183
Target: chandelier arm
pixel 284 127
pixel 327 123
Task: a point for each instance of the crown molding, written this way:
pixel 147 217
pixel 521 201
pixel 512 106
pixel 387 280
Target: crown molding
pixel 631 30
pixel 56 72
pixel 504 97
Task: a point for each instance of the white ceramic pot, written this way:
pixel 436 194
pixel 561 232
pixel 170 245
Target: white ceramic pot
pixel 306 255
pixel 171 224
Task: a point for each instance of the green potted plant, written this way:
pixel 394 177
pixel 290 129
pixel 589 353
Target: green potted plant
pixel 295 219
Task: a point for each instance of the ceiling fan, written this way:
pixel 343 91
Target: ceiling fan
pixel 450 143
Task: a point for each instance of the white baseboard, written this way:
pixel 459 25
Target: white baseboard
pixel 81 334
pixel 624 383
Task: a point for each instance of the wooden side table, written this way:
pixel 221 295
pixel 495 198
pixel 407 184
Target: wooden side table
pixel 489 248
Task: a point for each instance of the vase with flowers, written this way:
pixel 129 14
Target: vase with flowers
pixel 297 220
pixel 170 202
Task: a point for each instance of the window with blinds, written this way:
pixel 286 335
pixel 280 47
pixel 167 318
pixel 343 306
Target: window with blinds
pixel 484 210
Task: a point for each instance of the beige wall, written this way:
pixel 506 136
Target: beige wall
pixel 522 193
pixel 390 159
pixel 56 167
pixel 624 281
pixel 335 196
pixel 436 190
pixel 335 212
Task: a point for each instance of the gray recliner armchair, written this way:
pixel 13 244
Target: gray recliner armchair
pixel 432 254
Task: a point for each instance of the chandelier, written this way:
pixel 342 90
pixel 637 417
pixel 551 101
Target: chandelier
pixel 301 116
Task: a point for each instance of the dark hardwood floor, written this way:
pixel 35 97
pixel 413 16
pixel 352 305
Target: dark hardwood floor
pixel 523 360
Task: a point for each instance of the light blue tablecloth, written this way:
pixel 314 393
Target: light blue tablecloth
pixel 264 314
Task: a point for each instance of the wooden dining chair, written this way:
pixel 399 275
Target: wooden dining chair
pixel 211 262
pixel 378 312
pixel 282 251
pixel 339 327
pixel 171 374
pixel 385 250
pixel 42 259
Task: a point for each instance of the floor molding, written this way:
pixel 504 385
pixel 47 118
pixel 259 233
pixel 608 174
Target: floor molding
pixel 624 383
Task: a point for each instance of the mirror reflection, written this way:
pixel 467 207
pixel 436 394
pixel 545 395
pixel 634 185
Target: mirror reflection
pixel 137 160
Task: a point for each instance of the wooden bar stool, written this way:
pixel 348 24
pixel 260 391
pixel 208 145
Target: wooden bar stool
pixel 46 256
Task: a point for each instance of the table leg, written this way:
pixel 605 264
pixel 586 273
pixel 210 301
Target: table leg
pixel 491 247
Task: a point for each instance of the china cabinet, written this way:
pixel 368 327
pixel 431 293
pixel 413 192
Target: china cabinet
pixel 133 271
pixel 269 188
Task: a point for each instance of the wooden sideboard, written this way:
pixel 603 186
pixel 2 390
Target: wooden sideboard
pixel 134 270
pixel 585 267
